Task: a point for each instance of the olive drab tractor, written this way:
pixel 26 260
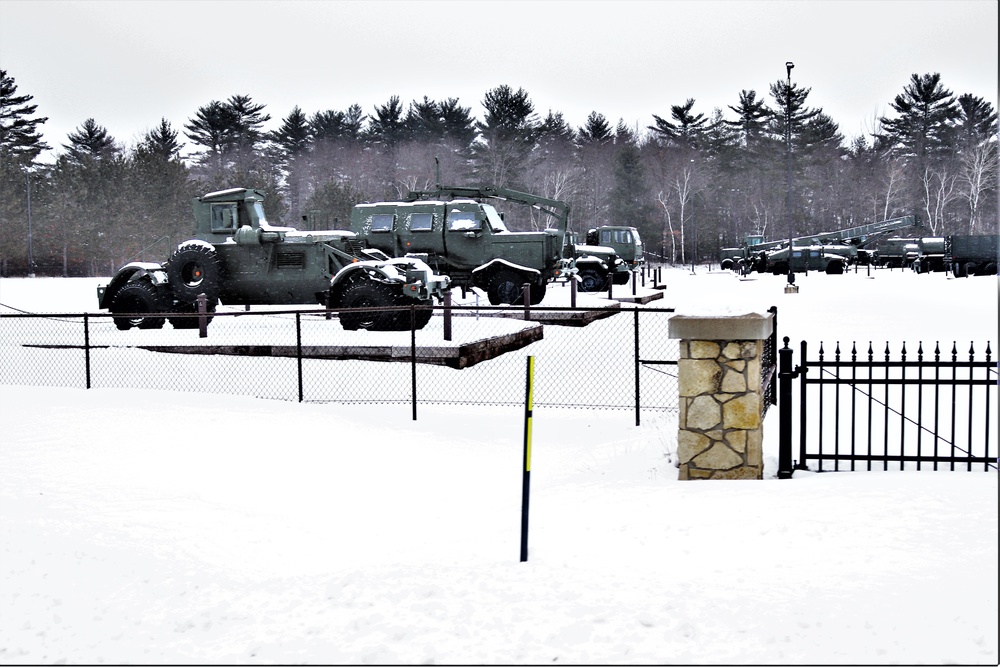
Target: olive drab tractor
pixel 238 258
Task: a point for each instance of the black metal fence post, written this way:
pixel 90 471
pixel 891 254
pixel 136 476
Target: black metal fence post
pixel 202 319
pixel 785 376
pixel 447 315
pixel 635 327
pixel 413 358
pixel 298 349
pixel 86 345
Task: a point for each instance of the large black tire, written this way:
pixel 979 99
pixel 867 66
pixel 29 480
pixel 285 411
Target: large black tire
pixel 779 268
pixel 190 322
pixel 591 280
pixel 140 304
pixel 505 287
pixel 365 294
pixel 194 268
pixel 835 268
pixel 421 316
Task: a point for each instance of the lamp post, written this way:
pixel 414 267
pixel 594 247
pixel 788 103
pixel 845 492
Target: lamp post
pixel 788 160
pixel 31 256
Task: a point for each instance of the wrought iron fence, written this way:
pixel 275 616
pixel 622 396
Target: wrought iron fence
pixel 934 411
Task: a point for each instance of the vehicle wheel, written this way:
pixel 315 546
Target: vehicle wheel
pixel 622 278
pixel 505 288
pixel 141 303
pixel 190 322
pixel 421 316
pixel 361 295
pixel 835 268
pixel 780 268
pixel 193 269
pixel 592 281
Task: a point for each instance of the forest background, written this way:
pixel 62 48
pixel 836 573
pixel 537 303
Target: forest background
pixel 691 181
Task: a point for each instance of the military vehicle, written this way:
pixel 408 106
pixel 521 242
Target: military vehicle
pixel 832 259
pixel 972 255
pixel 930 255
pixel 238 258
pixel 826 251
pixel 467 239
pixel 897 253
pixel 626 243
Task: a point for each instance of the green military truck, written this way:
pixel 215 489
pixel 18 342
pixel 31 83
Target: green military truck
pixel 467 240
pixel 626 243
pixel 897 253
pixel 930 255
pixel 238 258
pixel 832 259
pixel 972 255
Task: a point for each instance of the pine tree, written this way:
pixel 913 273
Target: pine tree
pixel 508 133
pixel 686 129
pixel 595 130
pixel 925 109
pixel 388 126
pixel 294 135
pixel 19 137
pixel 91 142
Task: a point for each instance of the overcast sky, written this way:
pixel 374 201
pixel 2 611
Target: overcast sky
pixel 127 64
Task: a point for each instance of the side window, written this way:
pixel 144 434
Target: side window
pixel 224 217
pixel 382 222
pixel 421 222
pixel 462 221
pixel 605 237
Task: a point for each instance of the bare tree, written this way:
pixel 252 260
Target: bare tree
pixel 977 174
pixel 939 190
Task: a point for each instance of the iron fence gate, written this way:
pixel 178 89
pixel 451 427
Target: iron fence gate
pixel 936 411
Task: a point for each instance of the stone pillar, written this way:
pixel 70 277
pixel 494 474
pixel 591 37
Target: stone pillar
pixel 720 426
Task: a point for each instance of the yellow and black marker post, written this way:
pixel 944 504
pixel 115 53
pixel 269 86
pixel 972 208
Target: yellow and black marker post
pixel 526 479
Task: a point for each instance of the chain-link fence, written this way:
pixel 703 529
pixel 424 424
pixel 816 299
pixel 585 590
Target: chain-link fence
pixel 623 361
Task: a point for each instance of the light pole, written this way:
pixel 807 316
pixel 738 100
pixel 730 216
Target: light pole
pixel 788 159
pixel 31 256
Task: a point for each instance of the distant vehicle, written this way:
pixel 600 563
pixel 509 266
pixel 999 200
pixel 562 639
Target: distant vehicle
pixel 827 258
pixel 897 253
pixel 849 243
pixel 930 255
pixel 973 255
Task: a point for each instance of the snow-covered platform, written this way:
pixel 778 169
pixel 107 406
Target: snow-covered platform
pixel 457 355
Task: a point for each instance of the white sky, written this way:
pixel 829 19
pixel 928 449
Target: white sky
pixel 127 64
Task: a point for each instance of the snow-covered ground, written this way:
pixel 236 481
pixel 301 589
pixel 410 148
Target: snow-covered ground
pixel 162 527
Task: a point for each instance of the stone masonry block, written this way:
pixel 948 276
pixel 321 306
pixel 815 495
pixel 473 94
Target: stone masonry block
pixel 703 413
pixel 742 412
pixel 698 376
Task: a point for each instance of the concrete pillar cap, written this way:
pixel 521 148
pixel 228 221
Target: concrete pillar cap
pixel 747 326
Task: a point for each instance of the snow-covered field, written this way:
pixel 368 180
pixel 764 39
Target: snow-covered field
pixel 162 527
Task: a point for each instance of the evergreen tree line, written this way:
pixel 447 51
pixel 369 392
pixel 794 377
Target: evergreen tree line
pixel 689 181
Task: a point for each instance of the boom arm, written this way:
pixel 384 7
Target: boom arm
pixel 858 236
pixel 555 208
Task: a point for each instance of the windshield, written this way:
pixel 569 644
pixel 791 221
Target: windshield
pixel 258 209
pixel 496 223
